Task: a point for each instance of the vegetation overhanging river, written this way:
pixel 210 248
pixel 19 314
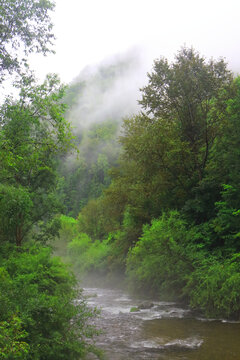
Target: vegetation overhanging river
pixel 159 330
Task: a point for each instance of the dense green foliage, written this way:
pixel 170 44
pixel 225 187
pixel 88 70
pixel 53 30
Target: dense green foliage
pixel 170 143
pixel 88 257
pixel 39 318
pixel 33 133
pixel 161 260
pixel 170 216
pixel 85 255
pixel 12 338
pixel 25 25
pixel 43 314
pixel 37 299
pixel 214 286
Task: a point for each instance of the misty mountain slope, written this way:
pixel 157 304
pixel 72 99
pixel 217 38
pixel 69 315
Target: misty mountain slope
pixel 107 91
pixel 99 98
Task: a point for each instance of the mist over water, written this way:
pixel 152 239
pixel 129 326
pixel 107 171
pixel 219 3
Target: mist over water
pixel 159 330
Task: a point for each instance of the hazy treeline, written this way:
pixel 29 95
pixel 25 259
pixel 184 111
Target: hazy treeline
pixel 98 99
pixel 165 211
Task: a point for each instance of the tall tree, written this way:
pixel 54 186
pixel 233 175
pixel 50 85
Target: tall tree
pixel 25 25
pixel 167 145
pixel 32 133
pixel 183 93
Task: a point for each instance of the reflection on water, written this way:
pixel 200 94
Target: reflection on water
pixel 159 330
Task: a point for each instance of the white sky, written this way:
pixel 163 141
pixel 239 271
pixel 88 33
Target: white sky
pixel 88 31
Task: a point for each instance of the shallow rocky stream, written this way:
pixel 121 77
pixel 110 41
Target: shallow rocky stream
pixel 159 330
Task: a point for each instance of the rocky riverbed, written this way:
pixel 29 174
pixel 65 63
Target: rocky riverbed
pixel 135 329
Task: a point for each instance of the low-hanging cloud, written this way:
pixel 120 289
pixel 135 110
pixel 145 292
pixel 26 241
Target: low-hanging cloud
pixel 110 90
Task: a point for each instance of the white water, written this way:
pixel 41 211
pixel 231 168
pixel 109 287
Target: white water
pixel 124 334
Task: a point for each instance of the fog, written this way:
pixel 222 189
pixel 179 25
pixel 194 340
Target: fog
pixel 108 90
pixel 89 31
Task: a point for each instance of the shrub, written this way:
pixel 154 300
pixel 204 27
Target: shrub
pixel 39 288
pixel 160 262
pixel 68 230
pixel 87 256
pixel 214 287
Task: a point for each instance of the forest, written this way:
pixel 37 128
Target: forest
pixel 153 199
pixel 145 196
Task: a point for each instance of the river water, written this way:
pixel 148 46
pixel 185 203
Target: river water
pixel 159 330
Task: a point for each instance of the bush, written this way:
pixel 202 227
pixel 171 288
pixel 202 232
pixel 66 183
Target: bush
pixel 39 290
pixel 160 262
pixel 68 230
pixel 68 227
pixel 214 287
pixel 171 261
pixel 87 256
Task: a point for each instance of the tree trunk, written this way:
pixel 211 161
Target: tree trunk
pixel 19 235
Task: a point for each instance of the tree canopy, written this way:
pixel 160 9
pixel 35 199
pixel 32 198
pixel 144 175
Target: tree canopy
pixel 33 132
pixel 184 93
pixel 25 27
pixel 170 141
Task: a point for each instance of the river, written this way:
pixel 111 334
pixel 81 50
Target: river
pixel 159 330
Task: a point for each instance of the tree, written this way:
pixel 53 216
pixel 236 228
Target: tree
pixel 222 179
pixel 170 141
pixel 33 133
pixel 183 93
pixel 161 171
pixel 25 25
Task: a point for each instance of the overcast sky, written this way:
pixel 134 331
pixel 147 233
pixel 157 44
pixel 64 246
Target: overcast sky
pixel 88 31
